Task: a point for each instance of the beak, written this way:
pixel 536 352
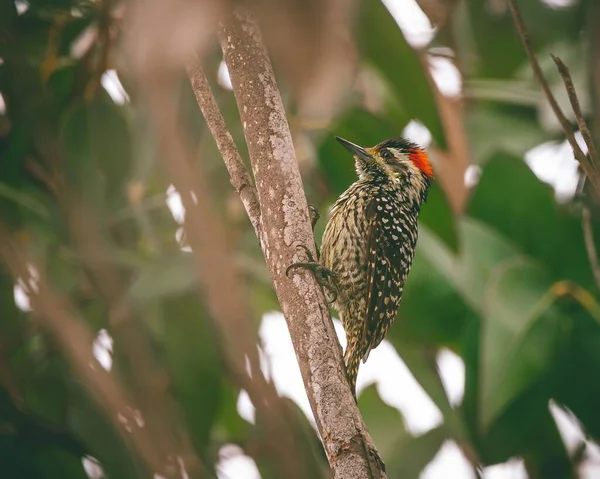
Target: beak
pixel 354 149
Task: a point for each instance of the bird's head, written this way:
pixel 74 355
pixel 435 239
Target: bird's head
pixel 396 160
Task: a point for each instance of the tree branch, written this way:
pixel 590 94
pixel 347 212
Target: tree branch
pixel 240 178
pixel 219 280
pixel 285 224
pixel 537 71
pixel 589 163
pixel 581 123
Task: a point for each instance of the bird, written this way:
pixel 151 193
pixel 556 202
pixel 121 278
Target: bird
pixel 369 242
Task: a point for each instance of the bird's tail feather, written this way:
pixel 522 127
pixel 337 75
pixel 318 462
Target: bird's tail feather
pixel 352 362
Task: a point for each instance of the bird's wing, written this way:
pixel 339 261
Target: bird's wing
pixel 383 271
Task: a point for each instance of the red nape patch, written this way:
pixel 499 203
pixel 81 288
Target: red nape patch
pixel 420 159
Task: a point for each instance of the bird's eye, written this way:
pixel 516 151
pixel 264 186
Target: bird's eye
pixel 387 154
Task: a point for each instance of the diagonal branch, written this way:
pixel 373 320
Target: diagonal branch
pixel 240 178
pixel 581 123
pixel 589 163
pixel 537 71
pixel 285 224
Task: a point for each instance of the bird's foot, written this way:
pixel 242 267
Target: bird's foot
pixel 314 215
pixel 326 278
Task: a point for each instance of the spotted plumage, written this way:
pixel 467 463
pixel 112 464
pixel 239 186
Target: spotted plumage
pixel 370 239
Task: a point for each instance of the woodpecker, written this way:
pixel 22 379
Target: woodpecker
pixel 369 242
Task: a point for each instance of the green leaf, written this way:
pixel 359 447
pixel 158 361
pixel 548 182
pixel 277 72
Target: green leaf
pixel 421 360
pixel 514 350
pixel 416 453
pixel 194 363
pixel 24 200
pixel 229 425
pixel 432 312
pixel 54 462
pixel 385 423
pixel 527 429
pixel 45 392
pixel 576 378
pixel 384 47
pixel 481 250
pixel 437 215
pixel 422 364
pixel 163 277
pixel 96 144
pixel 531 218
pixel 500 52
pixel 309 459
pixel 108 445
pixel 515 131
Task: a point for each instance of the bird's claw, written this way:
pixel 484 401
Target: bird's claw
pixel 314 215
pixel 309 264
pixel 326 278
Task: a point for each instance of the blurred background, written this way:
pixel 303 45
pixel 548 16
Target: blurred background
pixel 112 361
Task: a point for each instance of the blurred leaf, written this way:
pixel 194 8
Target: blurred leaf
pixel 45 390
pixel 309 456
pixel 437 215
pixel 527 429
pixel 55 462
pixel 576 378
pixel 531 218
pixel 481 250
pixel 383 46
pixel 314 453
pixel 385 423
pixel 194 364
pixel 416 453
pixel 109 446
pixel 96 144
pixel 24 200
pixel 432 312
pixel 24 458
pixel 163 277
pixel 422 364
pixel 229 425
pixel 513 352
pixel 524 93
pixel 516 131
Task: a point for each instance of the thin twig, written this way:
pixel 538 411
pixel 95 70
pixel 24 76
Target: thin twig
pixel 589 164
pixel 240 178
pixel 537 71
pixel 583 127
pixel 588 236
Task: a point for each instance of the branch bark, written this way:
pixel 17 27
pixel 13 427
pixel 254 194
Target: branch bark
pixel 285 225
pixel 240 178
